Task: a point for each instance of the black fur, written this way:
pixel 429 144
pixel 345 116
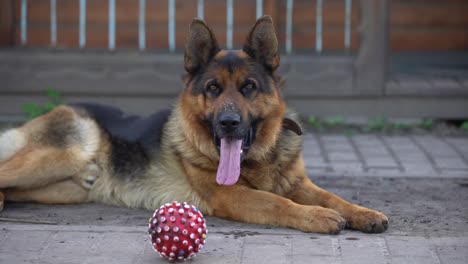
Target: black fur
pixel 134 139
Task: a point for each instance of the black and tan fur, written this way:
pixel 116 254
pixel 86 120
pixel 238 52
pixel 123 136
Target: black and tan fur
pixel 83 153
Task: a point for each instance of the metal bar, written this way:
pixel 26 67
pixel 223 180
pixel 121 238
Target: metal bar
pixel 141 26
pixel 229 23
pixel 347 36
pixel 171 25
pixel 318 27
pixel 53 23
pixel 24 14
pixel 289 14
pixel 259 8
pixel 111 24
pixel 82 29
pixel 200 9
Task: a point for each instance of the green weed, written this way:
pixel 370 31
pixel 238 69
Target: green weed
pixel 33 110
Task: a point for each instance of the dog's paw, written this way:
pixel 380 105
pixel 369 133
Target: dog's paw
pixel 368 221
pixel 323 220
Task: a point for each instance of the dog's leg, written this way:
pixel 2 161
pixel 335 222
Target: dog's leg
pixel 253 206
pixel 47 149
pixel 358 217
pixel 64 192
pixel 38 167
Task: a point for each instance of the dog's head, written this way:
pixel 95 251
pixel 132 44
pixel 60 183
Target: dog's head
pixel 233 99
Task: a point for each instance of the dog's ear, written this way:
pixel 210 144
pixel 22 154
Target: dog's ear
pixel 292 125
pixel 200 46
pixel 262 44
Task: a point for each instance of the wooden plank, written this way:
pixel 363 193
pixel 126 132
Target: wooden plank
pixel 392 107
pixel 75 73
pixel 371 60
pixel 429 40
pixel 6 23
pixel 429 14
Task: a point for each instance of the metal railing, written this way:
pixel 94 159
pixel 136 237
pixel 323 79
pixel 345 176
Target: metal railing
pixel 172 23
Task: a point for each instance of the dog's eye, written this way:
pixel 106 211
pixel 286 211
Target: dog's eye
pixel 248 88
pixel 213 88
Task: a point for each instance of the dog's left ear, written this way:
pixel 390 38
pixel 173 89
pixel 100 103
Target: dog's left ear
pixel 292 125
pixel 262 44
pixel 201 46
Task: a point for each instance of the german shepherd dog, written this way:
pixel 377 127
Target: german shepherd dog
pixel 229 146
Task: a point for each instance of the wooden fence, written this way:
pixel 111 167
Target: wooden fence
pixel 335 52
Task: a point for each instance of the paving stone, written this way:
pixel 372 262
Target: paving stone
pixel 450 163
pixel 374 151
pixel 454 173
pixel 385 172
pixel 342 156
pixel 363 250
pixel 264 249
pixel 342 147
pixel 347 166
pixel 317 163
pixel 408 246
pixel 379 162
pixel 311 245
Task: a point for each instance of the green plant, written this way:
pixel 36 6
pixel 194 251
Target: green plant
pixel 464 126
pixel 315 122
pixel 334 121
pixel 426 123
pixel 33 110
pixel 399 126
pixel 378 123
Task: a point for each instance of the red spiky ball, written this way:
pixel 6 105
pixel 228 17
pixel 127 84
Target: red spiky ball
pixel 177 230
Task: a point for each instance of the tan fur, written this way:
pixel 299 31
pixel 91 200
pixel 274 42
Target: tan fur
pixel 64 157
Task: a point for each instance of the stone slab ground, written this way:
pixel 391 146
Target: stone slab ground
pixel 420 182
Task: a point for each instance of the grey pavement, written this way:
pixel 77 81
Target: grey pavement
pixel 419 181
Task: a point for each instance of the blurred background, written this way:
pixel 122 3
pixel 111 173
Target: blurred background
pixel 346 58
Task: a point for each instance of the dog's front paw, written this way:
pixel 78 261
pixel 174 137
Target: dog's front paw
pixel 323 220
pixel 368 221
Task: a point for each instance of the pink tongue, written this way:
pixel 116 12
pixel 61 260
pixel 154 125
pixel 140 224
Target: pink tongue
pixel 229 162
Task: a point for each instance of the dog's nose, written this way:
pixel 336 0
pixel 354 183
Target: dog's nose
pixel 229 121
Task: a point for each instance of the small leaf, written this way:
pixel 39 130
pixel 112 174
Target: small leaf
pixel 53 94
pixel 464 126
pixel 49 106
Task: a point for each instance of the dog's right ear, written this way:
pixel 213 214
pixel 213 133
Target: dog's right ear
pixel 200 46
